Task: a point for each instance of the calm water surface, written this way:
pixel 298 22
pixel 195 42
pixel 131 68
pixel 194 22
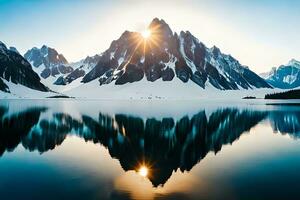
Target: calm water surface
pixel 67 149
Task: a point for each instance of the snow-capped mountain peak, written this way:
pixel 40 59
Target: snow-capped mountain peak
pixel 285 76
pixel 46 56
pixel 54 69
pixel 160 27
pixel 162 55
pixel 166 55
pixel 48 63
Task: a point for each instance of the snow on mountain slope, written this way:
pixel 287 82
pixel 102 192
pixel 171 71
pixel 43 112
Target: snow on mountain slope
pixel 168 56
pixel 160 90
pixel 18 91
pixel 285 76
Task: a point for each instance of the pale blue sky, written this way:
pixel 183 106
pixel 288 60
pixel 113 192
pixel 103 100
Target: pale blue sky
pixel 259 33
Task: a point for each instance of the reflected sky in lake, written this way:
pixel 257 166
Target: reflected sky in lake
pixel 70 149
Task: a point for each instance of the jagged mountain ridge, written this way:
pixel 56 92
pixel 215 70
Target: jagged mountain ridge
pixel 285 76
pixel 48 60
pixel 53 67
pixel 81 67
pixel 167 55
pixel 14 68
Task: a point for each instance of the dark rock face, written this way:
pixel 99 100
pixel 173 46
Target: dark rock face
pixel 56 70
pixel 199 79
pixel 60 81
pixel 65 69
pixel 91 59
pixel 166 54
pixel 3 86
pixel 14 49
pixel 183 73
pixel 14 68
pixel 131 74
pixel 284 77
pixel 102 67
pixel 74 75
pixel 253 79
pixel 77 73
pixel 46 73
pixel 167 74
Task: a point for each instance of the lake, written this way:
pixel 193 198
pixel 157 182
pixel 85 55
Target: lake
pixel 84 149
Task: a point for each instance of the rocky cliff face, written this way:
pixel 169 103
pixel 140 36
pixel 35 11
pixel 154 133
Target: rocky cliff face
pixel 45 55
pixel 166 55
pixel 14 68
pixel 81 69
pixel 48 62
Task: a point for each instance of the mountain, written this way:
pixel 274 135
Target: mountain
pixel 47 62
pixel 81 69
pixel 54 69
pixel 168 56
pixel 285 76
pixel 14 69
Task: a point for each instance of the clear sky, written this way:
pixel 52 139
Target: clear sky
pixel 259 33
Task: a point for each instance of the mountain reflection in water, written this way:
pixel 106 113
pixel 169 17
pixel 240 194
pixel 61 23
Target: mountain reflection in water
pixel 163 145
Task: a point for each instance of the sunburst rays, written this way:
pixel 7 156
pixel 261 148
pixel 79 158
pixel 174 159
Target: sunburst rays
pixel 150 39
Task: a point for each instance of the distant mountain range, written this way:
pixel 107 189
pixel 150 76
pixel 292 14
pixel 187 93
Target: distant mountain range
pixel 53 67
pixel 285 76
pixel 164 56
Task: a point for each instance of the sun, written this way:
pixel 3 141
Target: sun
pixel 146 34
pixel 143 171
